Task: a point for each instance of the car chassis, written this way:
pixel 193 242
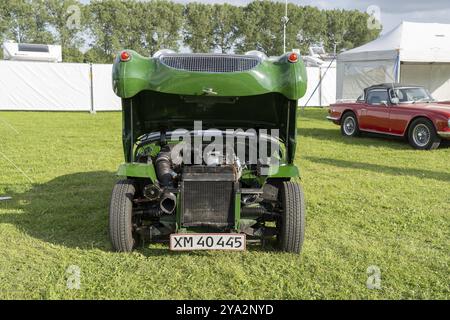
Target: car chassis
pixel 180 179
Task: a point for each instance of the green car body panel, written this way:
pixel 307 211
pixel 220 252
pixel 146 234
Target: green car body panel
pixel 270 76
pixel 157 97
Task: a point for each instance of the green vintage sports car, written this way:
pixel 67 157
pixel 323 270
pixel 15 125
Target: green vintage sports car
pixel 209 143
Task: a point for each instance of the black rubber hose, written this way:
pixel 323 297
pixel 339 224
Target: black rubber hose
pixel 253 211
pixel 163 165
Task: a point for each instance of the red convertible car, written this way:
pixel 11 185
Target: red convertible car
pixel 398 110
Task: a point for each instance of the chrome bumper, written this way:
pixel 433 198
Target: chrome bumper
pixel 444 134
pixel 332 119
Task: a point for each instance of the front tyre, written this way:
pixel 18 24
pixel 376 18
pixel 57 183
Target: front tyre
pixel 349 125
pixel 121 220
pixel 291 225
pixel 422 135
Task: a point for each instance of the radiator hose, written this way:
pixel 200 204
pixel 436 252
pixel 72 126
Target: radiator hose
pixel 166 174
pixel 163 165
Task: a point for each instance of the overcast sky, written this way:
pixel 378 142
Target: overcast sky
pixel 392 12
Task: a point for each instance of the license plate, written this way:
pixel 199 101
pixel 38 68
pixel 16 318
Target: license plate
pixel 207 241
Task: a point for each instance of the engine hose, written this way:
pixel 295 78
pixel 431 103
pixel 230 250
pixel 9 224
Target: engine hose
pixel 163 165
pixel 150 212
pixel 253 211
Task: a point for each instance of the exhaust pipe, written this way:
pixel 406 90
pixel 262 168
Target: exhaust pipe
pixel 168 203
pixel 249 199
pixel 152 192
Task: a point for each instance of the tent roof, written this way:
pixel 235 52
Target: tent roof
pixel 415 42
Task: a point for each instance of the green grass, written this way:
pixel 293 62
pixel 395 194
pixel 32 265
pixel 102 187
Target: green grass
pixel 370 201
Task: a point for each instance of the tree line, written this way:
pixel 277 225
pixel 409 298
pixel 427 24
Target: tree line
pixel 95 31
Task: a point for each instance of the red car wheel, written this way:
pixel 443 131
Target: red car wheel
pixel 422 135
pixel 349 125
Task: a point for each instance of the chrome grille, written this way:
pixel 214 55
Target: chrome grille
pixel 210 62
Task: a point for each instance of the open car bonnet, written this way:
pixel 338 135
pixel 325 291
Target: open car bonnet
pixel 173 91
pixel 155 111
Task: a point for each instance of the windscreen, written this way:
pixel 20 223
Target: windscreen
pixel 411 95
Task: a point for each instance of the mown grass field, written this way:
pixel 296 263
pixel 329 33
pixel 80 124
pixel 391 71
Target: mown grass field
pixel 370 201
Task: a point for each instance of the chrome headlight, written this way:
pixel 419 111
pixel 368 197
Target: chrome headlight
pixel 159 53
pixel 259 54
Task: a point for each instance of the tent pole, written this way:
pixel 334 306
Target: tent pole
pixel 320 83
pixel 91 77
pixel 320 86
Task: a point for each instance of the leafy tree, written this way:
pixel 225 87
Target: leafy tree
pixel 307 26
pixel 226 20
pixel 337 26
pixel 262 28
pixel 357 32
pixel 40 24
pixel 3 24
pixel 198 28
pixel 109 24
pixel 95 55
pixel 147 26
pixel 143 26
pixel 72 54
pixel 160 24
pixel 20 27
pixel 66 18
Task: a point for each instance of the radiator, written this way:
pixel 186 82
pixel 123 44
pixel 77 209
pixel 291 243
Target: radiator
pixel 207 197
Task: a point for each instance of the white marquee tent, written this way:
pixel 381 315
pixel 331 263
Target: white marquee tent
pixel 412 53
pixel 39 86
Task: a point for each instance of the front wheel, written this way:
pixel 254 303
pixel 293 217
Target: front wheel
pixel 291 225
pixel 121 220
pixel 422 135
pixel 349 125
